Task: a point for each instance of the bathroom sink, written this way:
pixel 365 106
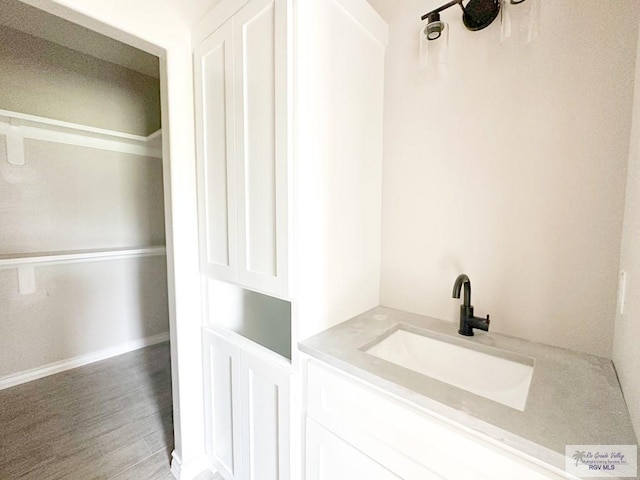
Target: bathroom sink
pixel 494 374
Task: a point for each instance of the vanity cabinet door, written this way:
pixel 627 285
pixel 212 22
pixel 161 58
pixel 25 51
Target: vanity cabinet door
pixel 247 409
pixel 265 414
pixel 331 458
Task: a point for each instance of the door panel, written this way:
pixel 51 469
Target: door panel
pixel 259 142
pixel 247 395
pixel 261 122
pixel 267 427
pixel 216 154
pixel 222 373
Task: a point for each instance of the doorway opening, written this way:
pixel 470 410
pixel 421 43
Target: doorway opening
pixel 83 268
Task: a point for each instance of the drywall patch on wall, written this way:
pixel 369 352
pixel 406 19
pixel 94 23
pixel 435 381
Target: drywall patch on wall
pixel 509 165
pixel 626 352
pixel 42 78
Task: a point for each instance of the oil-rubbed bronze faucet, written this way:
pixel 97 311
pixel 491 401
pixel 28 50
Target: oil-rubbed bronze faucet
pixel 467 321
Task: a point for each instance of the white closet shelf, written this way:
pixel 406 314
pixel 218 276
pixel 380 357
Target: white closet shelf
pixel 77 256
pixel 19 126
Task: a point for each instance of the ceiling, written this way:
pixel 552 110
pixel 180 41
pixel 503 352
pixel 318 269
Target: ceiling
pixel 192 10
pixel 386 8
pixel 19 16
pixel 33 21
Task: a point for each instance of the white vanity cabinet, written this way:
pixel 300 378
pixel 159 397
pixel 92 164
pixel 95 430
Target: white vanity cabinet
pixel 247 409
pixel 242 150
pixel 350 422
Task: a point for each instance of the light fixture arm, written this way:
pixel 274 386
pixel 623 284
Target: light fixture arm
pixel 443 7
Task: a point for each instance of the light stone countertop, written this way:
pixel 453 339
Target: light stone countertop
pixel 574 398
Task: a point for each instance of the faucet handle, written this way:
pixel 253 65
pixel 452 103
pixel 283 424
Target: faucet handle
pixel 488 320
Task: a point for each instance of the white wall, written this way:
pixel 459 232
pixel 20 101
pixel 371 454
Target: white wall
pixel 510 166
pixel 48 80
pixel 626 351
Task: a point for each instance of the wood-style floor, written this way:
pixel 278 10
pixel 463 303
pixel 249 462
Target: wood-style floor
pixel 108 420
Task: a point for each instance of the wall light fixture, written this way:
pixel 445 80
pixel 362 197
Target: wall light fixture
pixel 520 18
pixel 476 15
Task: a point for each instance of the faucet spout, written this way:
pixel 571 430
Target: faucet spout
pixel 462 279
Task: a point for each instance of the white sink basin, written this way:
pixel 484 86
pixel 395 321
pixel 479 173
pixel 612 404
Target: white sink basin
pixel 504 377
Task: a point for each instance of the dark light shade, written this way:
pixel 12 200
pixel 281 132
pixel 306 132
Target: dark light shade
pixel 476 15
pixel 479 14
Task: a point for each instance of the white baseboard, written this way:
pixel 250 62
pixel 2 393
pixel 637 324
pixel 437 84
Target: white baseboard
pixel 190 470
pixel 63 365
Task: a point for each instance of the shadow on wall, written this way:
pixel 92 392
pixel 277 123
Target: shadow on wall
pixel 153 395
pixel 155 377
pixel 265 320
